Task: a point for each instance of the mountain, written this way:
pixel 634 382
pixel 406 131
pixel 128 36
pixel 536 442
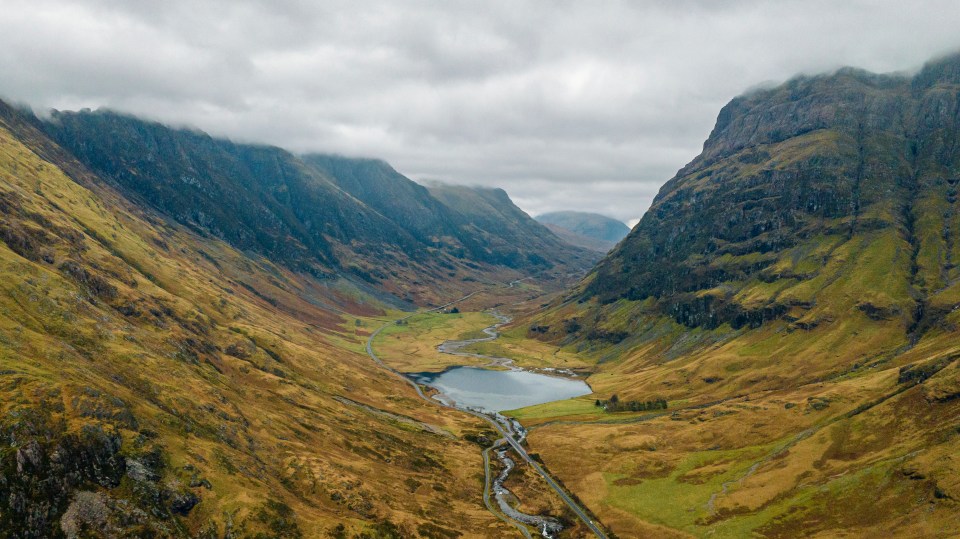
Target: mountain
pixel 469 223
pixel 837 186
pixel 590 225
pixel 323 216
pixel 578 240
pixel 793 293
pixel 170 368
pixel 490 223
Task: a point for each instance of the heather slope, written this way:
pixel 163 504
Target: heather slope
pixel 792 294
pixel 157 382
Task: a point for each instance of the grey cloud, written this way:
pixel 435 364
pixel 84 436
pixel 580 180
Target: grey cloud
pixel 567 105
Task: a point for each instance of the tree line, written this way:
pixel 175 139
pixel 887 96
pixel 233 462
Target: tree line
pixel 614 404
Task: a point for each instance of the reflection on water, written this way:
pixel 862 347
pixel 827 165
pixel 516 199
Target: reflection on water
pixel 495 391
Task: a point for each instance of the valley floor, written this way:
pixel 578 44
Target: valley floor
pixel 858 455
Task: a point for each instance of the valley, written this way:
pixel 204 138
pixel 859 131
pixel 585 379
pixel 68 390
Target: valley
pixel 484 401
pixel 221 340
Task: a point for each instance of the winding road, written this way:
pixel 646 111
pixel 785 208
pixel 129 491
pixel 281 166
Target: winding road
pixel 570 502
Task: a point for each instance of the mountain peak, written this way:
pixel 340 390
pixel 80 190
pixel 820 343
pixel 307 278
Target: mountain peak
pixel 836 159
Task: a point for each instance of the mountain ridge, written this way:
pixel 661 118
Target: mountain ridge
pixel 310 213
pixel 793 295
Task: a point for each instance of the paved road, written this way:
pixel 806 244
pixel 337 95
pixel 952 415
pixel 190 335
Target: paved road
pixel 571 503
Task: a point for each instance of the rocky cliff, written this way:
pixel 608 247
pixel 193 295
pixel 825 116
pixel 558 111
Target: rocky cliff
pixel 792 294
pixel 834 186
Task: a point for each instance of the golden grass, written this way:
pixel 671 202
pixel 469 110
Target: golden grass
pixel 227 361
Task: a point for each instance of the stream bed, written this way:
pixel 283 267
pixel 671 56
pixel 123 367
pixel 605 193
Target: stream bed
pixel 489 391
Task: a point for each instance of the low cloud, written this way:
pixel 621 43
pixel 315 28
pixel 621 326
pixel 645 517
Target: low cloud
pixel 567 105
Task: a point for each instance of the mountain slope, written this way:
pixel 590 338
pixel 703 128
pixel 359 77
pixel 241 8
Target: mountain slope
pixel 156 382
pixel 255 197
pixel 488 223
pixel 846 166
pixel 598 227
pixel 265 200
pixel 497 232
pixel 578 240
pixel 390 193
pixel 793 294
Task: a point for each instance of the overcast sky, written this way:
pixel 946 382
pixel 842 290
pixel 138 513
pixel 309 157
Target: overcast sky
pixel 567 105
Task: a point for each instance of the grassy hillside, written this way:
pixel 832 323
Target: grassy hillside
pixel 160 383
pixel 495 232
pixel 792 295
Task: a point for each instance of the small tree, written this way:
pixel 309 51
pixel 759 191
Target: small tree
pixel 614 403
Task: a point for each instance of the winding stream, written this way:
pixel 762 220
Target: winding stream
pixel 512 433
pixel 486 391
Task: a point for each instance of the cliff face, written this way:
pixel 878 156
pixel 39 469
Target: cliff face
pixel 841 185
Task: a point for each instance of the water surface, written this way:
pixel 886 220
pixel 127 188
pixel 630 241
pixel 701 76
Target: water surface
pixel 494 391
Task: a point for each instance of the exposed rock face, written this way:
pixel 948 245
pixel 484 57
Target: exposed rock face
pixel 57 483
pixel 792 177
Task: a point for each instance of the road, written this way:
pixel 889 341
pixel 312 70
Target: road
pixel 571 503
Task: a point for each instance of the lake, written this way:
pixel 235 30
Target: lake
pixel 495 391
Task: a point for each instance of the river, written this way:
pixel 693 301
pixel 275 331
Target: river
pixel 492 390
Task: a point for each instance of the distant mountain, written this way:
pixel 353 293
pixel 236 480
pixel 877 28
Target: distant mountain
pixel 589 230
pixel 573 238
pixel 322 215
pixel 590 225
pixel 491 227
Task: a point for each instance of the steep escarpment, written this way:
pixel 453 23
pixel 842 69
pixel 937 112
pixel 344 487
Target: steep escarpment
pixel 841 185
